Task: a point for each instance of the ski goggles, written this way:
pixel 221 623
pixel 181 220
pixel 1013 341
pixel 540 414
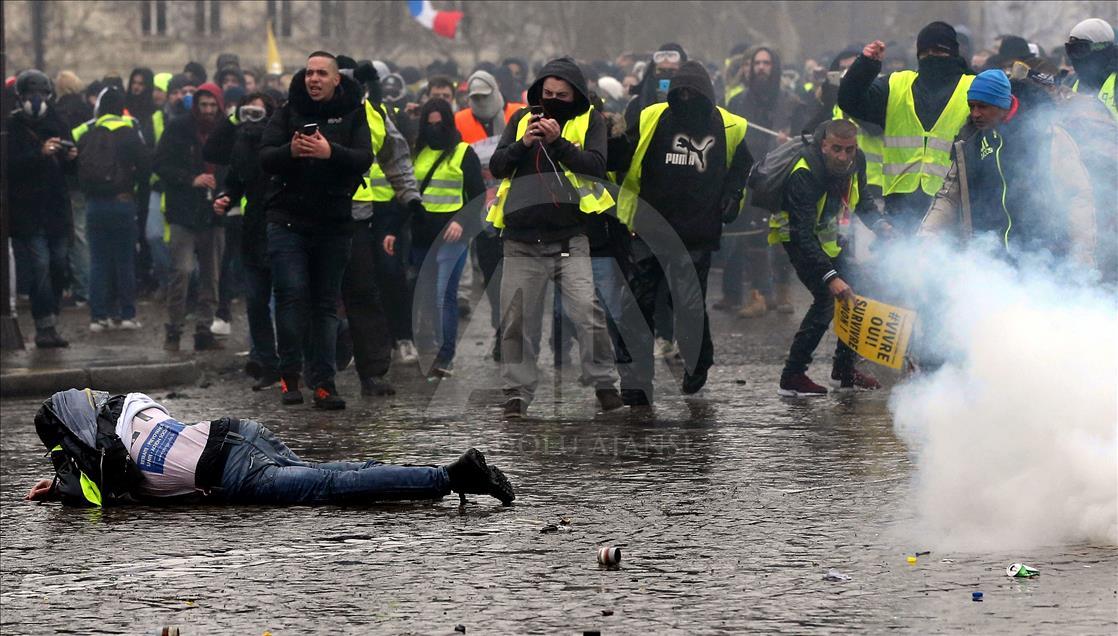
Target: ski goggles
pixel 1077 48
pixel 666 57
pixel 252 113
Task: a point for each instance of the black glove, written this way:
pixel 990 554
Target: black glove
pixel 731 206
pixel 416 209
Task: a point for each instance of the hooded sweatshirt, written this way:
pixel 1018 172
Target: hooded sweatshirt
pixel 684 175
pixel 142 106
pixel 486 109
pixel 317 193
pixel 560 218
pixel 178 160
pixel 648 90
pixel 766 103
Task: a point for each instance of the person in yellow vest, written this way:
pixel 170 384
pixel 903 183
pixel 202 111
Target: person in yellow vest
pixel 449 174
pixel 387 192
pixel 920 111
pixel 551 164
pixel 1093 54
pixel 687 165
pixel 825 186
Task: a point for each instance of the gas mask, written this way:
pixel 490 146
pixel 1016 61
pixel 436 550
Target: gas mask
pixel 34 105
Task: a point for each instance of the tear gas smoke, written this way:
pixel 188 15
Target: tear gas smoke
pixel 1014 437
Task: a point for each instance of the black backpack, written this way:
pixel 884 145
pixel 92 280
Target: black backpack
pixel 92 466
pixel 100 169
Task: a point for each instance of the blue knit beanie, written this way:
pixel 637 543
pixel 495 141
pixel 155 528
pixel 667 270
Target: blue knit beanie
pixel 991 87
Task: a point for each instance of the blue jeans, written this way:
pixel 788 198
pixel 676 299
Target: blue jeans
pixel 258 308
pixel 45 260
pixel 260 469
pixel 449 260
pixel 111 228
pixel 153 236
pixel 307 269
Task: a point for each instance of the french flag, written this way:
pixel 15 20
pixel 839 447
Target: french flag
pixel 444 23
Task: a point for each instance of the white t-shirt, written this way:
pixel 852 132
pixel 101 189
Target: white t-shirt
pixel 166 450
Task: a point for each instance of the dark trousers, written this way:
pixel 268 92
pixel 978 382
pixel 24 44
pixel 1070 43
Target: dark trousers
pixel 489 260
pixel 391 272
pixel 307 270
pixel 368 325
pixel 231 284
pixel 45 260
pixel 816 321
pixel 647 276
pixel 261 330
pixel 111 229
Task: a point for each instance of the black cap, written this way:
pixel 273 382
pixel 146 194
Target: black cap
pixel 937 36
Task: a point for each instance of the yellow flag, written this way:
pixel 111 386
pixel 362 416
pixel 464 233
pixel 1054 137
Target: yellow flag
pixel 876 331
pixel 274 63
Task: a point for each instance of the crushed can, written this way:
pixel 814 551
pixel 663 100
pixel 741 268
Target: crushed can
pixel 610 557
pixel 1021 571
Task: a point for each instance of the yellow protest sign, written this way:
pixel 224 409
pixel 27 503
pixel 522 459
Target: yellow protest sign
pixel 876 331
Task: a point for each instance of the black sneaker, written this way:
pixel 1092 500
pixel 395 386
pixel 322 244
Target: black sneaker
pixel 376 386
pixel 327 399
pixel 289 391
pixel 254 369
pixel 634 397
pixel 49 338
pixel 693 383
pixel 470 475
pixel 205 341
pixel 266 380
pixel 515 409
pixel 609 399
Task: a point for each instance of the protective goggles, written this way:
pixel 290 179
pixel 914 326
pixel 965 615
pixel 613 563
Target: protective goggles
pixel 666 57
pixel 1077 48
pixel 252 113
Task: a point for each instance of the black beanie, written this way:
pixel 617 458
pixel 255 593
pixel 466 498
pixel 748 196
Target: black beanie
pixel 938 36
pixel 111 102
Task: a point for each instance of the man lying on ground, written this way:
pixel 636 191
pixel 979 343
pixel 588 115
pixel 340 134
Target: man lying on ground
pixel 120 448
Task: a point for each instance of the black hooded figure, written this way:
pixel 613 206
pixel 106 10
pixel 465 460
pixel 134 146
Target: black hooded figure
pixel 652 87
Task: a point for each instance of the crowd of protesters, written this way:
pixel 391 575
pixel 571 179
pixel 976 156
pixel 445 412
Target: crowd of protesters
pixel 335 199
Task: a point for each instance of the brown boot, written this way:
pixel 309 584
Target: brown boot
pixel 755 308
pixel 783 299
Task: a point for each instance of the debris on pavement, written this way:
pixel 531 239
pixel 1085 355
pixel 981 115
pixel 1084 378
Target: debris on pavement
pixel 836 576
pixel 1021 571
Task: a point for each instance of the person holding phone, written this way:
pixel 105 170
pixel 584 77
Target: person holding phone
pixel 316 147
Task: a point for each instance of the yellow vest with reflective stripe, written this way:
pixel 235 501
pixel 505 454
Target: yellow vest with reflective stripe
pixel 593 198
pixel 375 186
pixel 649 120
pixel 915 158
pixel 1106 94
pixel 826 230
pixel 733 92
pixel 157 125
pixel 444 191
pixel 872 146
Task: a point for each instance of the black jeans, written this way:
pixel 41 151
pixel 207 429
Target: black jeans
pixel 645 280
pixel 816 321
pixel 372 345
pixel 261 330
pixel 391 271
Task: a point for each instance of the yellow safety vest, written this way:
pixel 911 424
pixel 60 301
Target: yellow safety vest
pixel 872 146
pixel 157 125
pixel 915 158
pixel 375 186
pixel 593 198
pixel 649 120
pixel 444 190
pixel 733 92
pixel 826 230
pixel 1106 94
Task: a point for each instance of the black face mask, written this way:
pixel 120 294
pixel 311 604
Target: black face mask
pixel 436 137
pixel 558 109
pixel 694 112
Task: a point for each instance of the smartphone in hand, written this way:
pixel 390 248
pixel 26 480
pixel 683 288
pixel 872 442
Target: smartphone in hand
pixel 309 130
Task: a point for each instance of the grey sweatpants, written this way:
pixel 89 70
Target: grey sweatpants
pixel 527 269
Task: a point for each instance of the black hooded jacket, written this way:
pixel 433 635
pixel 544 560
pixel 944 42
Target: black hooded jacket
pixel 37 198
pixel 142 106
pixel 647 91
pixel 178 160
pixel 766 104
pixel 561 218
pixel 317 193
pixel 684 174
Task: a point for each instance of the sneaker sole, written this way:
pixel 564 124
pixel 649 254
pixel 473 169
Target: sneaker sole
pixel 503 486
pixel 791 393
pixel 329 407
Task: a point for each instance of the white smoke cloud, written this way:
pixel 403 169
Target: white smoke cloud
pixel 1015 438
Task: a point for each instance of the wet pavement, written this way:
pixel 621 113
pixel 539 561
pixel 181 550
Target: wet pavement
pixel 729 506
